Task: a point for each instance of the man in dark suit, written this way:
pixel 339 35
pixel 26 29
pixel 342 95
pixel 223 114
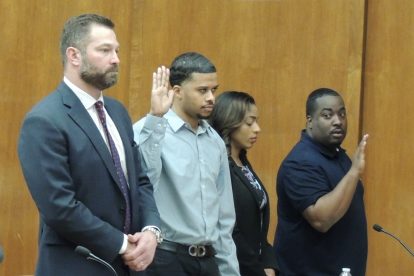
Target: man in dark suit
pixel 82 166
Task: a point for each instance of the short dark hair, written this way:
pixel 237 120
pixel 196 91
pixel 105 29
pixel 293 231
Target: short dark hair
pixel 316 94
pixel 76 31
pixel 229 112
pixel 185 64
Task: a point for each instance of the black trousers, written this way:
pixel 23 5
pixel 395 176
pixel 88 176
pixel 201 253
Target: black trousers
pixel 167 263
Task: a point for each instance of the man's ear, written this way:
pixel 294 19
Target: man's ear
pixel 309 121
pixel 73 56
pixel 177 91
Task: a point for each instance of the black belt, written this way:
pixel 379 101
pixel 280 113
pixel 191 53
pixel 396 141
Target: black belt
pixel 194 250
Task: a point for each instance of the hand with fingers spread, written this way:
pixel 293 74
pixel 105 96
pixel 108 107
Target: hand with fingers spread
pixel 140 250
pixel 161 96
pixel 358 161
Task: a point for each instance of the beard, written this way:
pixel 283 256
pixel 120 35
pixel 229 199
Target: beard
pixel 93 76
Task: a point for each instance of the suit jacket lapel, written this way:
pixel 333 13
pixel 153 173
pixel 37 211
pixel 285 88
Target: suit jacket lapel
pixel 82 118
pixel 245 182
pixel 258 200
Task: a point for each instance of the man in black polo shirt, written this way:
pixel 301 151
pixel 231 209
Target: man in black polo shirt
pixel 321 217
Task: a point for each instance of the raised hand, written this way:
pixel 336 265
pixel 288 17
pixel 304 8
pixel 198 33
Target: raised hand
pixel 270 272
pixel 358 162
pixel 161 96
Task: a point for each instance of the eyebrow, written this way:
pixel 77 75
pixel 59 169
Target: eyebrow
pixel 108 45
pixel 205 86
pixel 330 109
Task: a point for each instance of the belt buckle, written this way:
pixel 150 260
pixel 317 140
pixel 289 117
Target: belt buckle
pixel 197 250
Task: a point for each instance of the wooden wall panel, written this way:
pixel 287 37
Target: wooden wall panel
pixel 278 50
pixel 388 118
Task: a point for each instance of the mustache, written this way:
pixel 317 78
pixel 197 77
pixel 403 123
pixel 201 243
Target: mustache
pixel 338 130
pixel 114 69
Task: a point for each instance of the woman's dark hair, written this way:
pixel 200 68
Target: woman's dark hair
pixel 229 112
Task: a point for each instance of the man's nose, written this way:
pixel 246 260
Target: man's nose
pixel 115 58
pixel 209 95
pixel 337 120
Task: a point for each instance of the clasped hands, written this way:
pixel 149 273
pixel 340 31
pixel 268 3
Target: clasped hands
pixel 140 250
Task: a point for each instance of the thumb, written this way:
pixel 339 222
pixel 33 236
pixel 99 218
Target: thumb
pixel 133 238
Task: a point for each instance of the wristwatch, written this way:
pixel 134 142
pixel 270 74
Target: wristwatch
pixel 156 232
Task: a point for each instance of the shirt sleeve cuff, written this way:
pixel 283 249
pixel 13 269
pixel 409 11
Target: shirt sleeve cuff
pixel 124 245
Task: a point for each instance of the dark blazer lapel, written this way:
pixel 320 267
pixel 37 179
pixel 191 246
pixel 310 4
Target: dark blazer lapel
pixel 266 211
pixel 82 118
pixel 242 178
pixel 245 182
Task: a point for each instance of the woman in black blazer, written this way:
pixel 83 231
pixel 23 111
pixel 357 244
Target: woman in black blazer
pixel 235 118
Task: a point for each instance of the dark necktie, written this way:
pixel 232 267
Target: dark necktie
pixel 117 163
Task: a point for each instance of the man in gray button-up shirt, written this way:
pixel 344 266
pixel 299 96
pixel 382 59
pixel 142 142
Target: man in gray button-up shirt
pixel 187 163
